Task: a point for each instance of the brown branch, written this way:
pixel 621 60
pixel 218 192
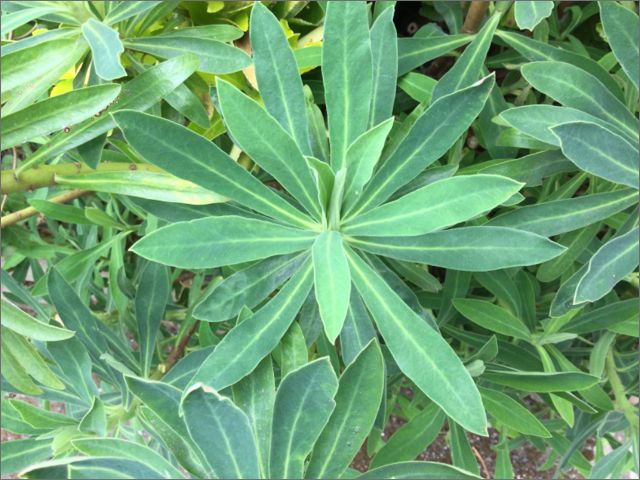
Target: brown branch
pixel 485 470
pixel 30 211
pixel 475 14
pixel 176 354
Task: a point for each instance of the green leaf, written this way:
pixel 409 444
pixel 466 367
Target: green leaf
pixel 621 27
pixel 600 152
pixel 361 159
pixel 221 32
pixel 472 249
pixel 543 382
pixel 40 418
pixel 249 342
pixel 440 204
pixel 304 402
pixel 611 263
pixel 74 367
pixel 151 298
pixel 95 420
pixel 21 322
pixel 357 330
pixel 124 10
pixel 269 145
pixel 203 163
pixel 574 87
pixel 560 216
pixel 277 75
pixel 188 103
pixel 62 213
pixel 461 453
pixel 384 55
pixel 56 113
pixel 347 75
pixel 429 138
pixel 13 371
pixel 420 352
pixel 222 432
pixel 419 470
pixel 492 317
pixel 292 351
pixel 11 21
pixel 106 48
pixel 414 51
pixel 118 448
pixel 255 395
pixel 534 51
pixel 138 94
pixel 75 315
pixel 529 14
pixel 468 67
pixel 511 413
pixel 537 121
pixel 28 73
pixel 152 185
pixel 247 287
pixel 603 317
pixel 359 394
pixel 29 359
pixel 332 281
pixel 216 241
pixel 215 57
pixel 412 438
pixel 20 454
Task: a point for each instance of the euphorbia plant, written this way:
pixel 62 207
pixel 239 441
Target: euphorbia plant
pixel 334 212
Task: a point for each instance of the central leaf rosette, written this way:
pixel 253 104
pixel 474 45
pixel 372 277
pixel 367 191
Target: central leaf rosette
pixel 347 199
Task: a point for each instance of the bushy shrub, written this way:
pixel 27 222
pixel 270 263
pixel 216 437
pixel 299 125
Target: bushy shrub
pixel 242 239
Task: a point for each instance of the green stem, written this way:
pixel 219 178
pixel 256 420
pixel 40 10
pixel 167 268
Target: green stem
pixel 45 176
pixel 619 393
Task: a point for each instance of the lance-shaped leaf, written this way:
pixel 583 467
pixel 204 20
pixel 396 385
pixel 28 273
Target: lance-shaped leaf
pixel 124 10
pixel 115 447
pixel 511 413
pixel 141 183
pixel 468 67
pixel 537 121
pixel 534 51
pixel 106 48
pixel 188 155
pixel 471 249
pixel 246 287
pixel 304 402
pixel 426 470
pixel 543 382
pixel 384 55
pixel 28 73
pixel 269 145
pixel 20 454
pixel 560 216
pixel 361 159
pixel 357 330
pixel 217 241
pixel 414 51
pixel 151 298
pixel 412 438
pixel 249 342
pixel 621 27
pixel 215 57
pixel 574 87
pixel 56 113
pixel 430 137
pixel 347 75
pixel 438 205
pixel 600 152
pixel 611 263
pixel 21 322
pixel 277 75
pixel 332 281
pixel 492 317
pixel 160 410
pixel 255 395
pixel 420 352
pixel 138 94
pixel 222 432
pixel 11 21
pixel 357 401
pixel 529 14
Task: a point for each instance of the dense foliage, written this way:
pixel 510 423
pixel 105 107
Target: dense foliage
pixel 239 238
